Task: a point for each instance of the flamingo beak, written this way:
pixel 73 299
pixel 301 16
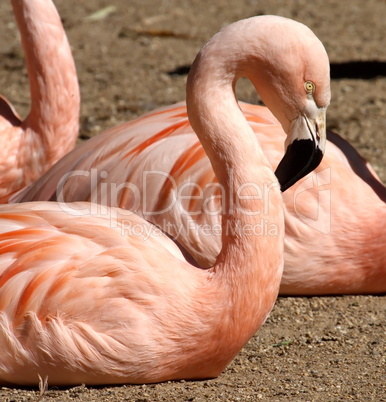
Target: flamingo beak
pixel 305 147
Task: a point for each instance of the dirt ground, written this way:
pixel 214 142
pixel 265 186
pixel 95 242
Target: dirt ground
pixel 130 61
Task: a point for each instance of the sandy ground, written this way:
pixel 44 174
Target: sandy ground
pixel 131 61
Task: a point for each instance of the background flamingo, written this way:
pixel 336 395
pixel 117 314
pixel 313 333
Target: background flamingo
pixel 86 300
pixel 328 247
pixel 31 146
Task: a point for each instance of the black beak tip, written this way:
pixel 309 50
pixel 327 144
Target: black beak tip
pixel 301 158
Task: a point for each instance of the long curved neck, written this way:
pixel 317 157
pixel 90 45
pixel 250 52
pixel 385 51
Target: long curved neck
pixel 252 220
pixel 54 88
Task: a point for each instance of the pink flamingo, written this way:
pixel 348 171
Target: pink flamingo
pixel 105 297
pixel 335 230
pixel 31 146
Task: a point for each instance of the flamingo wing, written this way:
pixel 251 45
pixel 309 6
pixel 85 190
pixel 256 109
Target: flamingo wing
pixel 82 283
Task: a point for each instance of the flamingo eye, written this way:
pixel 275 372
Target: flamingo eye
pixel 309 86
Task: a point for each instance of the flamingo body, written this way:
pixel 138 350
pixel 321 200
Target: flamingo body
pixel 101 306
pixel 155 166
pixel 31 146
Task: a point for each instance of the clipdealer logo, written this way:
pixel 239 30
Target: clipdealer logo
pixel 310 200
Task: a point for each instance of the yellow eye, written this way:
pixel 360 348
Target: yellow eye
pixel 309 87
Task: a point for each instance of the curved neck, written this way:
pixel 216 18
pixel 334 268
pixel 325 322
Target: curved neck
pixel 54 89
pixel 252 219
pixel 230 143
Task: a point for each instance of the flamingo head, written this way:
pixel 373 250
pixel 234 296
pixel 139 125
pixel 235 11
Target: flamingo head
pixel 305 143
pixel 293 80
